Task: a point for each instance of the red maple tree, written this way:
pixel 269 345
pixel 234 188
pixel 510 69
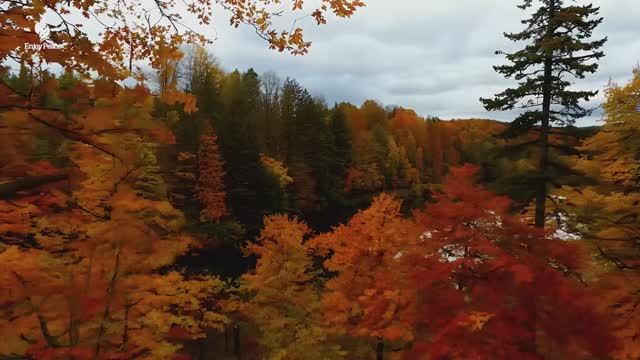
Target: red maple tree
pixel 488 285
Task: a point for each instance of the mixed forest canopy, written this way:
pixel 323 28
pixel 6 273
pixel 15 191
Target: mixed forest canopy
pixel 207 213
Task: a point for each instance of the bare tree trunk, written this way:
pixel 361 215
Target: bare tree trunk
pixel 379 349
pixel 236 340
pixel 125 330
pixel 52 341
pixel 226 339
pixel 107 307
pixel 541 193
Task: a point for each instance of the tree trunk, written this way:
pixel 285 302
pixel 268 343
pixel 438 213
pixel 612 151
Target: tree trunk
pixel 541 191
pixel 9 189
pixel 236 340
pixel 226 339
pixel 107 307
pixel 52 341
pixel 379 349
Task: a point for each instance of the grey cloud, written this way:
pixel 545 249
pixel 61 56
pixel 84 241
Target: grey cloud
pixel 434 56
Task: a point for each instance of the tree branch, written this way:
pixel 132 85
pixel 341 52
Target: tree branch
pixel 9 189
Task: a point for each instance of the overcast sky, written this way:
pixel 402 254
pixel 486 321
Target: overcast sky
pixel 430 55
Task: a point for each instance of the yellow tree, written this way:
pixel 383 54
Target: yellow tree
pixel 607 214
pixel 277 169
pixel 284 303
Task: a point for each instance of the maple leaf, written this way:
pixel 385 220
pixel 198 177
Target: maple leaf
pixel 476 320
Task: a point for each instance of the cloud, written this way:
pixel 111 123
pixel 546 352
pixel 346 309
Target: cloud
pixel 434 56
pixel 431 55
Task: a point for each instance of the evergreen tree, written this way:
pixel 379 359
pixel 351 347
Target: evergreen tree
pixel 381 150
pixel 557 49
pixel 307 152
pixel 204 79
pixel 251 192
pixel 210 178
pixel 269 125
pixel 289 103
pixel 251 94
pixel 22 82
pixel 232 97
pixel 323 152
pixel 342 150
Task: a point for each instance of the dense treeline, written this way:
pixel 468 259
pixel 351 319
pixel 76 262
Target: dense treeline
pixel 322 162
pixel 257 147
pixel 285 150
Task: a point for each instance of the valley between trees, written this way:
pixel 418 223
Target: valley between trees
pixel 203 213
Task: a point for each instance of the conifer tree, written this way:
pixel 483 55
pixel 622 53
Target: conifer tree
pixel 251 192
pixel 558 50
pixel 211 178
pixel 342 148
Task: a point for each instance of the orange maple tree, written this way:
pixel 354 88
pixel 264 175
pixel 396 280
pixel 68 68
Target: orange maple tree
pixel 369 296
pixel 80 269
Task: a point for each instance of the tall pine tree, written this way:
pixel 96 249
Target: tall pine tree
pixel 210 186
pixel 251 192
pixel 558 50
pixel 342 148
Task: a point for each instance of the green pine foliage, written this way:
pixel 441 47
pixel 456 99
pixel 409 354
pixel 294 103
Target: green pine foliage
pixel 557 50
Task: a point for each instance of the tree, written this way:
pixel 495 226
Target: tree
pixel 307 146
pixel 367 297
pixel 489 285
pixel 211 178
pixel 270 124
pixel 284 302
pixel 291 102
pixel 88 284
pixel 435 139
pixel 364 173
pixel 132 31
pixel 323 152
pixel 169 69
pixel 605 213
pixel 342 145
pixel 134 35
pixel 277 170
pixel 203 78
pixel 251 192
pixel 557 49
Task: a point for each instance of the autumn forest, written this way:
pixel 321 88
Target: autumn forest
pixel 157 203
